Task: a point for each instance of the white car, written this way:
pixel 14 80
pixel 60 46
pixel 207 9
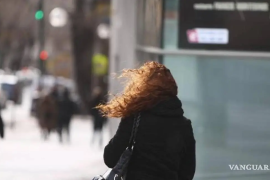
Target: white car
pixel 6 81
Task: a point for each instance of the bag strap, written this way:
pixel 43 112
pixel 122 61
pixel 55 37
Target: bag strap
pixel 134 131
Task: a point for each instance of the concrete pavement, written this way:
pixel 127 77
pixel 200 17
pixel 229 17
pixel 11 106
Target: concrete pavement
pixel 25 156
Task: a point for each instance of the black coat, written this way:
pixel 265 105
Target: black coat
pixel 1 127
pixel 165 145
pixel 99 120
pixel 65 107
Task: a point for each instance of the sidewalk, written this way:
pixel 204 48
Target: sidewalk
pixel 24 156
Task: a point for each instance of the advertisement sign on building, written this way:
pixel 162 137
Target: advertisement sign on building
pixel 224 25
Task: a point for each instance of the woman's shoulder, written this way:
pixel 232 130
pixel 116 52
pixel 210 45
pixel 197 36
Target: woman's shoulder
pixel 188 129
pixel 186 121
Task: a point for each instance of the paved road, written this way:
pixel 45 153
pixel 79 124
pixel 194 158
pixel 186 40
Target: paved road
pixel 24 156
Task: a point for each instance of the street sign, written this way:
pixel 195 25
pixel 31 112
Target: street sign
pixel 58 17
pixel 224 25
pixel 100 64
pixel 103 31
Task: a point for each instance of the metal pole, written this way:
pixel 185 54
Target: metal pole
pixel 41 36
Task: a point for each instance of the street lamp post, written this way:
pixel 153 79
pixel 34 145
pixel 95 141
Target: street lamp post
pixel 41 33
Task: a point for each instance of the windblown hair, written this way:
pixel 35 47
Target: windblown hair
pixel 144 88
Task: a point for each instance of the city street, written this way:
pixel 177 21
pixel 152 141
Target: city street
pixel 25 156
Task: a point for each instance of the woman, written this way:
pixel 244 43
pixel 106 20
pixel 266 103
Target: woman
pixel 165 145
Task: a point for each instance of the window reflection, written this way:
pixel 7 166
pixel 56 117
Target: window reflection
pixel 227 100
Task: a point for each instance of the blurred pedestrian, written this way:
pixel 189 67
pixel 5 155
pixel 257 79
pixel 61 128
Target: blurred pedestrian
pixel 98 97
pixel 2 127
pixel 66 109
pixel 47 115
pixel 164 146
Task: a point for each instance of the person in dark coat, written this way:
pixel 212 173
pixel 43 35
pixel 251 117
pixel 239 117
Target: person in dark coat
pixel 98 119
pixel 65 108
pixel 165 144
pixel 2 127
pixel 47 115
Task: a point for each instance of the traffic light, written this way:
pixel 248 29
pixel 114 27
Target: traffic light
pixel 39 15
pixel 43 55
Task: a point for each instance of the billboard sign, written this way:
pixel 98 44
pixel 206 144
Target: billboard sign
pixel 224 25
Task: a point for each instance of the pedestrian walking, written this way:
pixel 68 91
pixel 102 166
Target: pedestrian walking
pixel 2 127
pixel 47 114
pixel 163 146
pixel 98 119
pixel 66 109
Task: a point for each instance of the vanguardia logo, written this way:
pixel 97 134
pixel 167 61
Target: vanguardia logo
pixel 249 167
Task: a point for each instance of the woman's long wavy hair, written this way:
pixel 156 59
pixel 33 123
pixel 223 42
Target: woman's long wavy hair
pixel 144 87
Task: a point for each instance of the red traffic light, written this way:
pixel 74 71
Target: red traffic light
pixel 43 55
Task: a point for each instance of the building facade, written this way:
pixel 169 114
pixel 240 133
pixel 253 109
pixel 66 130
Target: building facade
pixel 224 93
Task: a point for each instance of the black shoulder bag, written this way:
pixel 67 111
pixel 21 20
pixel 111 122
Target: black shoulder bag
pixel 120 169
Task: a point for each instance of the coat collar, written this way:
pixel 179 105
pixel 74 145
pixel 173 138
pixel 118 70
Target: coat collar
pixel 168 107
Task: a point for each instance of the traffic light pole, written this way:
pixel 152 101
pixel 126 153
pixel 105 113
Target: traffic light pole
pixel 41 36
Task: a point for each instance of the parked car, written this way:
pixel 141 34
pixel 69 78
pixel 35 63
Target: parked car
pixel 3 99
pixel 11 89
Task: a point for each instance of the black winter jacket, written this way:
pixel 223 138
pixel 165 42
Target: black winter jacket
pixel 165 145
pixel 1 127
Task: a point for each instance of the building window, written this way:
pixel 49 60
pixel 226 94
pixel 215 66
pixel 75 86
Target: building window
pixel 150 22
pixel 170 26
pixel 227 100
